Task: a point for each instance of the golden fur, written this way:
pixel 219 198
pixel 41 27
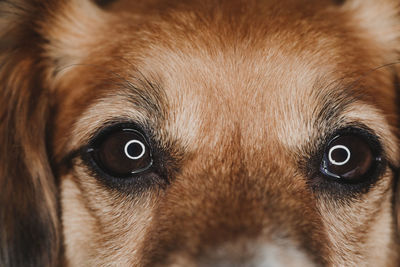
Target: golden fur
pixel 238 95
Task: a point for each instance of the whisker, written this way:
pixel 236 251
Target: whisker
pixel 365 74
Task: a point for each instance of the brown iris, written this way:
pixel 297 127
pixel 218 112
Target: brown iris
pixel 348 157
pixel 122 153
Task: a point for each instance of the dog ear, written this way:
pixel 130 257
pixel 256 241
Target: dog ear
pixel 29 232
pixel 37 37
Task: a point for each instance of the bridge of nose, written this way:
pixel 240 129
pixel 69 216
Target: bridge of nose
pixel 220 203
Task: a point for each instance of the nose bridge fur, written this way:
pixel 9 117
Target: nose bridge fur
pixel 221 203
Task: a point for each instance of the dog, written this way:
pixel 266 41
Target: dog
pixel 199 133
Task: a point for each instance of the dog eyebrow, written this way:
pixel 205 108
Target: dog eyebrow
pixel 147 94
pixel 335 98
pixel 136 91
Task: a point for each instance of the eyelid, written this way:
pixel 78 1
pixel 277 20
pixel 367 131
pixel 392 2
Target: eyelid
pixel 356 128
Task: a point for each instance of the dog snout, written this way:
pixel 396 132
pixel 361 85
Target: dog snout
pixel 235 220
pixel 246 254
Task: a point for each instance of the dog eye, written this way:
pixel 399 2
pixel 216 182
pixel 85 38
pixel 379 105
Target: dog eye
pixel 348 158
pixel 122 153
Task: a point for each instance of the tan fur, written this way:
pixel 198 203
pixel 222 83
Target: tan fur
pixel 239 94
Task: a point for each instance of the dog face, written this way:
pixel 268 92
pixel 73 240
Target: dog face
pixel 257 133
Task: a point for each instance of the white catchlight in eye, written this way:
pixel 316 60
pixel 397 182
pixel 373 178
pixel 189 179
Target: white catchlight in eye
pixel 134 142
pixel 339 163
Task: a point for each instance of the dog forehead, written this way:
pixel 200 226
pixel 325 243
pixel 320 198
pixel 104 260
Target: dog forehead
pixel 253 74
pixel 212 95
pixel 263 79
pixel 244 97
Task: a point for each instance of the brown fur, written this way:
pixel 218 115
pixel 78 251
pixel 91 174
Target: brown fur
pixel 239 96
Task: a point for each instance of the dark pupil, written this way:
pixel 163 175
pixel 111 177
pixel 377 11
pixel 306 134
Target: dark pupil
pixel 123 153
pixel 347 157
